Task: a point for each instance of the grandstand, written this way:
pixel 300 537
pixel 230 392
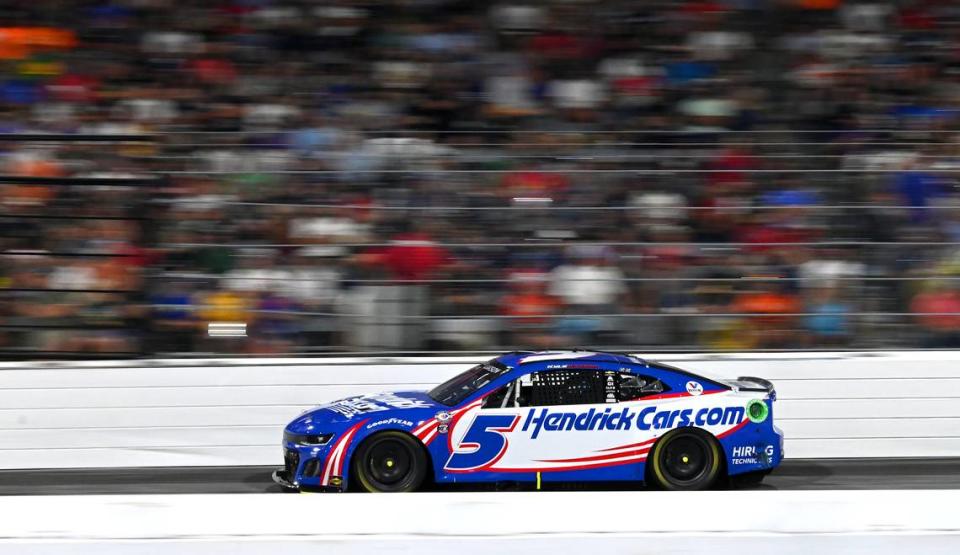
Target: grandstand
pixel 368 177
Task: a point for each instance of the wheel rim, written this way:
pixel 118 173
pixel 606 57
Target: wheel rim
pixel 686 458
pixel 388 462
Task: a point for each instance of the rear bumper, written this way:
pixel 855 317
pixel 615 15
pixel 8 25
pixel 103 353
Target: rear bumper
pixel 779 433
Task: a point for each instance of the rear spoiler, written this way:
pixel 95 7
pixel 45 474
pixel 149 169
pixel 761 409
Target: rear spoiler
pixel 749 383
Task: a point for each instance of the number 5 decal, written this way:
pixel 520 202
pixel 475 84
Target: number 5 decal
pixel 483 444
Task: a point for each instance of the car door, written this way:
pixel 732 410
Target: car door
pixel 550 421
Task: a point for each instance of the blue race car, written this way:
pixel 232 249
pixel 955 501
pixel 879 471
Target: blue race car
pixel 541 416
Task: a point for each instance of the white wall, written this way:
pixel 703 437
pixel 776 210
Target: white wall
pixel 535 523
pixel 231 412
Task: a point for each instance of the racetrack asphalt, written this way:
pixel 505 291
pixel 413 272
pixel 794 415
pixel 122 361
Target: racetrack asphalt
pixel 795 474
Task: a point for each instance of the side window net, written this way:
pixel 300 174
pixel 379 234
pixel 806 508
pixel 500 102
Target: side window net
pixel 573 387
pixel 567 387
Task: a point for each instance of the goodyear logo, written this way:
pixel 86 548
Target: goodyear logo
pixel 543 420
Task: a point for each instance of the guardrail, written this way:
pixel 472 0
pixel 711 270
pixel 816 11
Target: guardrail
pixel 181 412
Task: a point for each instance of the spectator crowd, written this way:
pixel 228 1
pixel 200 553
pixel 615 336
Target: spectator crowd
pixel 412 175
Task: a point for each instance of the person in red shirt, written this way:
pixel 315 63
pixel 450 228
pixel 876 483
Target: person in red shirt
pixel 530 181
pixel 409 256
pixel 937 310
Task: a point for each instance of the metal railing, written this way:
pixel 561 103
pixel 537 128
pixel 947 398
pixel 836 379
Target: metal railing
pixel 877 310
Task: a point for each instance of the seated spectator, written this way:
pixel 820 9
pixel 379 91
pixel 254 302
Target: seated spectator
pixel 350 176
pixel 410 256
pixel 937 310
pixel 828 317
pixel 530 308
pixel 770 314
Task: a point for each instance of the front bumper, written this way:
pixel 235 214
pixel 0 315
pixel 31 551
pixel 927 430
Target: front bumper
pixel 282 478
pixel 301 466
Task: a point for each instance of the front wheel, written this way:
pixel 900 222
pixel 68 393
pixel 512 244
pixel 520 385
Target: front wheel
pixel 685 459
pixel 390 461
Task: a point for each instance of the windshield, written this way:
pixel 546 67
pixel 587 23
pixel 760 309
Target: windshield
pixel 463 385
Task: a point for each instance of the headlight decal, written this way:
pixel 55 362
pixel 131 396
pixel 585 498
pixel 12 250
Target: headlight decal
pixel 307 439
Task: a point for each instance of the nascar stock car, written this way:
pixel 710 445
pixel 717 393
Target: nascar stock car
pixel 541 416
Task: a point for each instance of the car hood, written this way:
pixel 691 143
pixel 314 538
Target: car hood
pixel 412 406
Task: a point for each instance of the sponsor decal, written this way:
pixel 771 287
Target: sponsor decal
pixel 398 402
pixel 585 421
pixel 751 454
pixel 440 423
pixel 743 454
pixel 694 388
pixel 488 436
pixel 395 421
pixel 365 404
pixel 354 406
pixel 540 420
pixel 610 388
pixel 443 418
pixel 650 417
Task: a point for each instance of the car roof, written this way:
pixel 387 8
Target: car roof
pixel 519 358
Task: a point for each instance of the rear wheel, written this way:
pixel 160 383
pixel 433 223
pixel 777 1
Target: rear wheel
pixel 686 459
pixel 390 461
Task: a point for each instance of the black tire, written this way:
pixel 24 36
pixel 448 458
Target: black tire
pixel 687 459
pixel 390 461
